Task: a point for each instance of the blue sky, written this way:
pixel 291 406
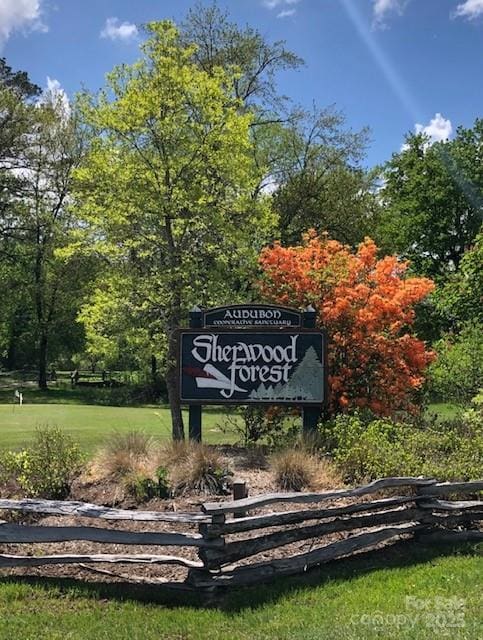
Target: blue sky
pixel 390 64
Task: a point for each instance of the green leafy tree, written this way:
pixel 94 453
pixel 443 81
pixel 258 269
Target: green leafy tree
pixel 16 118
pixel 433 200
pixel 318 180
pixel 457 373
pixel 460 299
pixel 221 43
pixel 37 223
pixel 166 187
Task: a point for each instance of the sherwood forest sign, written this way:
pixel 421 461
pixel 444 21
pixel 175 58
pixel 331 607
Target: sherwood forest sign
pixel 252 366
pixel 273 360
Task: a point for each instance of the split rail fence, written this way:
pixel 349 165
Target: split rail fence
pixel 228 534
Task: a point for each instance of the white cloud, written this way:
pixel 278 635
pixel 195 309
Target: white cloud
pixel 438 129
pixel 20 15
pixel 286 13
pixel 273 4
pixel 116 30
pixel 470 9
pixel 382 8
pixel 55 93
pixel 287 7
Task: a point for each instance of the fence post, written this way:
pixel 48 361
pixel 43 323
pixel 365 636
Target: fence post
pixel 240 491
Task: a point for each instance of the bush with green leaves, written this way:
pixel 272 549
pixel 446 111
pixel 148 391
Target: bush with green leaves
pixel 365 449
pixel 457 373
pixel 142 487
pixel 47 468
pixel 255 425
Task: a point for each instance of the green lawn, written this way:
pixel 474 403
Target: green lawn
pixel 90 424
pixel 407 594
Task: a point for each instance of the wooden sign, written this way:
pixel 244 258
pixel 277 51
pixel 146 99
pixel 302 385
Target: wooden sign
pixel 281 366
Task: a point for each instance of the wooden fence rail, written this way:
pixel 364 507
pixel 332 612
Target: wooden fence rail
pixel 223 541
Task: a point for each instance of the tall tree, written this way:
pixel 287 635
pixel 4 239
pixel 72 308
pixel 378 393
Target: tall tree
pixel 433 200
pixel 460 299
pixel 166 185
pixel 318 180
pixel 17 116
pixel 221 43
pixel 38 222
pixel 308 158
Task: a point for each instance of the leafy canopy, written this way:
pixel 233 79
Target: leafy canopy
pixel 433 200
pixel 166 191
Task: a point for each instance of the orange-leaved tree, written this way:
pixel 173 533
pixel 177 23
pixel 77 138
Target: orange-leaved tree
pixel 367 305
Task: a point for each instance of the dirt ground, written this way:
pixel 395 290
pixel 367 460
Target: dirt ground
pixel 248 466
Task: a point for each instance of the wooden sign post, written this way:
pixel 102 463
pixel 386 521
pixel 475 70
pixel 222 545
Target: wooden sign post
pixel 194 410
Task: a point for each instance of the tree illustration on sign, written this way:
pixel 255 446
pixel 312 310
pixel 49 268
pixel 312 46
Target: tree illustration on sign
pixel 306 383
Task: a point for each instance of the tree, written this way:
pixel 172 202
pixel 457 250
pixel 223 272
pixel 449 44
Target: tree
pixel 460 299
pixel 366 304
pixel 221 43
pixel 166 187
pixel 457 374
pixel 17 116
pixel 433 200
pixel 37 222
pixel 17 82
pixel 319 181
pixel 305 157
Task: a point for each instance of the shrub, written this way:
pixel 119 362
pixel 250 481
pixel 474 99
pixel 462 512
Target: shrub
pixel 365 449
pixel 48 467
pixel 124 454
pixel 142 487
pixel 162 477
pixel 202 470
pixel 293 469
pixel 367 305
pixel 457 374
pixel 255 424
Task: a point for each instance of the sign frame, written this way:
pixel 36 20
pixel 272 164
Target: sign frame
pixel 254 331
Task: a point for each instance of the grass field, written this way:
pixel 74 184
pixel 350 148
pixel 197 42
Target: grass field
pixel 406 593
pixel 90 424
pixel 75 411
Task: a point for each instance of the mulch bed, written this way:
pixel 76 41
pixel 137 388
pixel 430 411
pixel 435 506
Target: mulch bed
pixel 247 465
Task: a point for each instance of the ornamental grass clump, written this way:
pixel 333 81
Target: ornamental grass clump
pixel 297 469
pixel 125 454
pixel 201 470
pixel 294 469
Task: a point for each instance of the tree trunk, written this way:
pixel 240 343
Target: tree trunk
pixel 43 343
pixel 172 387
pixel 154 370
pixel 11 359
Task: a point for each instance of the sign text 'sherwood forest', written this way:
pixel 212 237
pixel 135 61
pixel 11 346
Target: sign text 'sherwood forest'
pixel 252 366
